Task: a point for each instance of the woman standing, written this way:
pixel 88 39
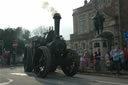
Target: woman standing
pixel 107 60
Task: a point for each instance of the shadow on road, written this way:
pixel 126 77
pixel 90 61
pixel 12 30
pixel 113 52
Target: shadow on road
pixel 57 78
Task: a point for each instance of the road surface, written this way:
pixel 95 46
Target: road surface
pixel 17 76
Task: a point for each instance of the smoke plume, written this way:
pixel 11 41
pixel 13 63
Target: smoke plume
pixel 46 5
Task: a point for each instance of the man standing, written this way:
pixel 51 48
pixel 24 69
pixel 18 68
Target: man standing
pixel 97 58
pixel 116 61
pixel 113 50
pixel 14 57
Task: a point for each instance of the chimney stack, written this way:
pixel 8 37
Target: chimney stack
pixel 57 18
pixel 85 2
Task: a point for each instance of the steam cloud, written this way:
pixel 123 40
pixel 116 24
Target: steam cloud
pixel 45 5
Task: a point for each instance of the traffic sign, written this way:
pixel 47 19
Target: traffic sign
pixel 14 45
pixel 126 36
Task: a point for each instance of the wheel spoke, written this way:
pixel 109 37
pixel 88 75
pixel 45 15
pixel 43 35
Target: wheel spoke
pixel 42 68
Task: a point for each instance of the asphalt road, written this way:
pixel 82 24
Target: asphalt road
pixel 17 76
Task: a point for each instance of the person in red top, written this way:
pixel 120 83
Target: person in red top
pixel 5 57
pixel 5 54
pixel 126 58
pixel 125 52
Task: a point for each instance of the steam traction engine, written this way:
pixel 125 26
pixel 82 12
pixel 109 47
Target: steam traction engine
pixel 45 54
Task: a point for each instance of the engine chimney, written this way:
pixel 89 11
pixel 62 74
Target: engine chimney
pixel 57 18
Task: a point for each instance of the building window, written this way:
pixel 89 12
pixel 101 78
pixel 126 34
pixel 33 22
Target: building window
pixel 96 45
pixel 82 24
pixel 104 44
pixel 83 45
pixel 91 25
pixel 76 46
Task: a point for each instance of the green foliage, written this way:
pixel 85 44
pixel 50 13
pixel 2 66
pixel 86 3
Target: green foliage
pixel 26 34
pixel 9 35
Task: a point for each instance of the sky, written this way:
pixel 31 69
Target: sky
pixel 31 14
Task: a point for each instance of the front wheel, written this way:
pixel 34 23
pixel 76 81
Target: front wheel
pixel 72 69
pixel 44 61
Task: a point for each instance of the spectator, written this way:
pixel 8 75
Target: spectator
pixel 94 60
pixel 5 57
pixel 14 57
pixel 107 60
pixel 86 61
pixel 125 59
pixel 116 62
pixel 97 58
pixel 122 59
pixel 9 58
pixel 113 50
pixel 82 63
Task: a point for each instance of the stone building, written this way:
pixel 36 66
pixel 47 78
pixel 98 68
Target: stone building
pixel 115 24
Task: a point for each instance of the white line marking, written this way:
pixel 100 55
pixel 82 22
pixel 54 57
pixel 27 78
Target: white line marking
pixel 19 74
pixel 108 82
pixel 6 83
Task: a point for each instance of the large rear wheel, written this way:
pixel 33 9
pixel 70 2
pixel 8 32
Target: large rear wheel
pixel 71 69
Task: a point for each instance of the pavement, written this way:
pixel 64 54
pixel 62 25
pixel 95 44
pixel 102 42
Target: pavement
pixel 124 74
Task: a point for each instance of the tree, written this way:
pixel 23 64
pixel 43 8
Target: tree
pixel 9 35
pixel 26 34
pixel 39 31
